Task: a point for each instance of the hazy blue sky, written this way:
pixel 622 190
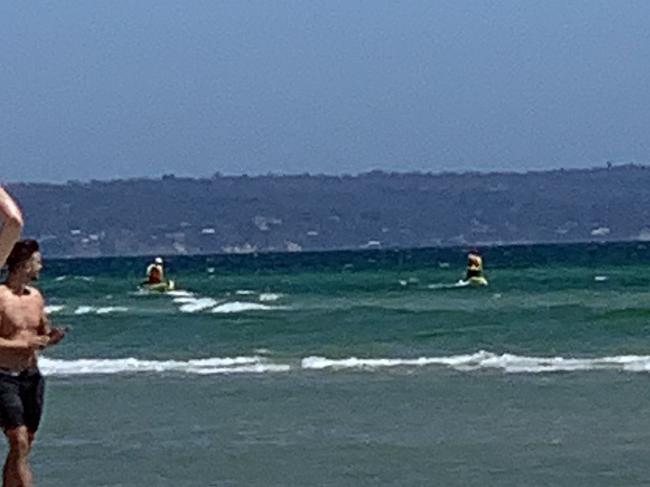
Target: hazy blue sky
pixel 104 89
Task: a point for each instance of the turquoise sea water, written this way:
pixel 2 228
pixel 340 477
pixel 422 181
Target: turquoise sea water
pixel 351 368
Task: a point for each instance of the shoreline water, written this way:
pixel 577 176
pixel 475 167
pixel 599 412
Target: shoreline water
pixel 349 369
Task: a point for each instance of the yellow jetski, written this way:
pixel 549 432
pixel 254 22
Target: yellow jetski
pixel 161 287
pixel 477 281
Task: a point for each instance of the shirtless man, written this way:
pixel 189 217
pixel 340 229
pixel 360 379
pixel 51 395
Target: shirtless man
pixel 24 330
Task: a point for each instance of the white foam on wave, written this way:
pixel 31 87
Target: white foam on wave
pixel 82 310
pixel 454 285
pixel 191 303
pixel 242 369
pixel 481 360
pixel 240 307
pixel 54 308
pixel 244 292
pixel 111 309
pixel 194 305
pixel 185 299
pixel 601 278
pixel 270 297
pixel 76 278
pixel 217 365
pixel 101 310
pixel 258 364
pixel 180 293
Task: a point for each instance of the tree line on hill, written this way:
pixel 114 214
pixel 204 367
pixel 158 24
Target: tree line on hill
pixel 174 215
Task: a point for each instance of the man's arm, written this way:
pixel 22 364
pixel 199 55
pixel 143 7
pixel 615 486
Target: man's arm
pixel 35 343
pixel 53 334
pixel 12 225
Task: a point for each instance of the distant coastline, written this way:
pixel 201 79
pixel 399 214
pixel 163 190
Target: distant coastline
pixel 297 213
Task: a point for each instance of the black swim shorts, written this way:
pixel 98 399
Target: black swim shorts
pixel 21 398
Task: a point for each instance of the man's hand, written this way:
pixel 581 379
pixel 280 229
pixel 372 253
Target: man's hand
pixel 56 334
pixel 37 342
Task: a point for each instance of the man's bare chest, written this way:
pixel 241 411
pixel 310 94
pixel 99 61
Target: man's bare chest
pixel 20 312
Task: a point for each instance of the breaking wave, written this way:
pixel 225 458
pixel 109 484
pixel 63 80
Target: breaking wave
pixel 483 360
pixel 257 364
pixel 227 365
pixel 100 310
pixel 241 306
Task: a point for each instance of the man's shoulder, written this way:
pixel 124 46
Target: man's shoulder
pixel 5 295
pixel 33 291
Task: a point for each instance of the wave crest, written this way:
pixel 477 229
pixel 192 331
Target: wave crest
pixel 226 365
pixel 257 364
pixel 241 306
pixel 506 362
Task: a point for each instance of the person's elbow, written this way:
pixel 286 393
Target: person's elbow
pixel 14 221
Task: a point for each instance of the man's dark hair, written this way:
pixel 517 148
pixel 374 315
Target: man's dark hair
pixel 21 252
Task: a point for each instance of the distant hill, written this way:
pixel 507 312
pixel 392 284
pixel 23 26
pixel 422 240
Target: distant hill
pixel 315 212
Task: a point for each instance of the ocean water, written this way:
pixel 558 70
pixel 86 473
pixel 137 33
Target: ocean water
pixel 351 369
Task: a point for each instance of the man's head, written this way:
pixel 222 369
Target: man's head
pixel 25 259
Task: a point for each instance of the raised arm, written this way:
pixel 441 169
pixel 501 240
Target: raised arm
pixel 12 224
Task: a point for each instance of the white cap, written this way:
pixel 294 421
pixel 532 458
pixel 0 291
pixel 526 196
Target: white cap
pixel 158 260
